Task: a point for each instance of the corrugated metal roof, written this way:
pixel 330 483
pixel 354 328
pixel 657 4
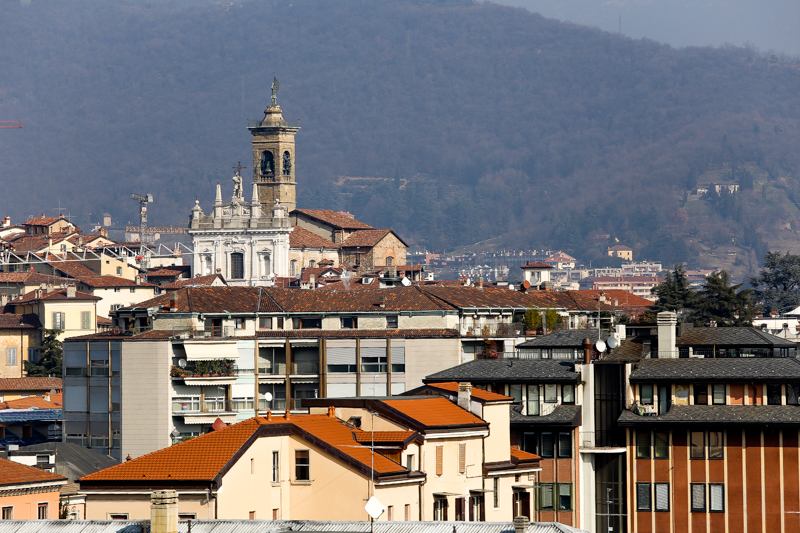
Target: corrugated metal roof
pixel 276 526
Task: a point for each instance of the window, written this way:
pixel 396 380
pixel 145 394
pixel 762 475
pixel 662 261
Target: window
pixel 719 394
pixel 42 513
pixel 306 323
pixel 529 442
pixel 550 393
pixel 661 447
pixel 773 394
pixel 701 394
pixel 440 508
pixel 187 516
pixel 646 394
pixel 374 363
pixel 133 289
pixel 7 513
pixel 118 516
pixel 86 320
pixel 496 491
pixel 568 393
pixel 697 442
pixel 515 391
pixel 716 497
pixel 407 513
pixel 662 496
pixel 42 461
pixel 239 323
pixel 391 322
pixel 58 320
pixel 119 271
pixel 410 462
pixel 389 261
pixel 439 460
pixel 276 467
pixel 564 445
pixel 279 322
pixel 237 265
pixel 715 445
pixel 293 268
pixel 11 357
pixel 698 497
pixel 533 400
pixel 462 458
pixel 548 446
pixel 312 264
pixel 545 497
pixel 522 503
pixel 265 322
pixel 643 502
pixel 116 289
pixel 349 322
pixel 301 465
pixel 477 509
pixel 642 444
pixel 664 399
pixel 390 513
pixel 793 394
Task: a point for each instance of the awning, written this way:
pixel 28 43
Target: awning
pixel 210 350
pixel 444 494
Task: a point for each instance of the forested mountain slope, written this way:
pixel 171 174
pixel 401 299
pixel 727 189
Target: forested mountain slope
pixel 464 122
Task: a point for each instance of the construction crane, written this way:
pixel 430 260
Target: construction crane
pixel 10 124
pixel 144 259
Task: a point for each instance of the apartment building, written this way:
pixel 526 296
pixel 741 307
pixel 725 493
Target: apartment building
pixel 65 309
pixel 422 458
pixel 28 493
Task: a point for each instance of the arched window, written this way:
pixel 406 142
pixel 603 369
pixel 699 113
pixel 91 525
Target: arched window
pixel 312 264
pixel 267 164
pixel 237 265
pixel 389 261
pixel 293 267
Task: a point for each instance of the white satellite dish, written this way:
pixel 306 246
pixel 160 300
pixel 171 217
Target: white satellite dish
pixel 374 508
pixel 600 346
pixel 612 342
pixel 182 363
pixel 268 397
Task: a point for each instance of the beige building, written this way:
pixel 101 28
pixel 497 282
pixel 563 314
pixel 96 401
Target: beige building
pixel 621 251
pixel 432 460
pixel 307 250
pixel 18 335
pixel 115 292
pixel 73 312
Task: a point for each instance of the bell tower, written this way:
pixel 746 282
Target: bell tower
pixel 274 157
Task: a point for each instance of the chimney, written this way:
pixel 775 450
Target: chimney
pixel 173 302
pixel 128 458
pixel 3 299
pixel 332 411
pixel 465 395
pixel 313 280
pixel 70 291
pixel 42 215
pixel 382 304
pixel 50 288
pixel 587 351
pixel 520 524
pixel 667 320
pixel 138 280
pixel 287 414
pixel 164 511
pixel 47 396
pixel 6 222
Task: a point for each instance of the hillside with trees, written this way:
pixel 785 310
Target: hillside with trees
pixel 452 122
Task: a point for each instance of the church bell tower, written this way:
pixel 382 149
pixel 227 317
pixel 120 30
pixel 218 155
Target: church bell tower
pixel 274 157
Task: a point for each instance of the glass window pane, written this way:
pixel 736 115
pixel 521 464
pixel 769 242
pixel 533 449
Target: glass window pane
pixel 568 394
pixel 701 394
pixel 661 445
pixel 643 444
pixel 533 400
pixel 546 496
pixel 646 394
pixel 792 394
pixel 643 496
pixel 773 394
pixel 698 497
pixel 719 394
pixel 697 444
pixel 515 391
pixel 564 445
pixel 662 496
pixel 529 442
pixel 564 496
pixel 550 393
pixel 548 445
pixel 716 496
pixel 715 445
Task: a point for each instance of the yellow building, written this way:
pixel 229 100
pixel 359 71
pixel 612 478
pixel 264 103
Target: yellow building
pixel 621 251
pixel 18 334
pixel 71 311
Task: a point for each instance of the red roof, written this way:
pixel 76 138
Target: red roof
pixel 303 238
pixel 56 402
pixel 620 247
pixel 110 281
pixel 332 218
pixel 367 238
pixel 12 473
pixel 42 221
pixel 434 412
pixel 57 294
pixel 537 264
pixel 15 321
pixel 28 277
pixel 521 455
pixel 30 384
pixel 197 281
pixel 480 394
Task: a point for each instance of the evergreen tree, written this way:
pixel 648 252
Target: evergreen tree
pixel 723 304
pixel 675 294
pixel 777 287
pixel 50 356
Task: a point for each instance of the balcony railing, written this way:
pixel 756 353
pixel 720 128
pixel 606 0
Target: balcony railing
pixel 184 332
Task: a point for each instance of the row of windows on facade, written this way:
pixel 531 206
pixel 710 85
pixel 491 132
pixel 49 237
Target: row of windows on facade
pixel 549 497
pixel 43 511
pixel 548 444
pixel 95 441
pixel 531 396
pixel 345 322
pixel 59 320
pixel 716 392
pixel 656 497
pixel 656 444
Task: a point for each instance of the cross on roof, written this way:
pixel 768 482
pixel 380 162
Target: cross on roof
pixel 238 168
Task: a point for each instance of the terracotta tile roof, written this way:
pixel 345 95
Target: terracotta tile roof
pixel 12 473
pixel 367 437
pixel 112 335
pixel 170 271
pixel 358 334
pixel 303 238
pixel 207 457
pixel 522 456
pixel 103 321
pixel 28 277
pixel 56 402
pixel 399 268
pixel 469 297
pixel 476 392
pixel 42 221
pixel 332 218
pixel 57 294
pixel 30 384
pixel 197 281
pixel 37 243
pixel 629 279
pixel 433 412
pixel 620 247
pixel 214 300
pixel 14 321
pixel 394 299
pixel 537 264
pixel 366 238
pixel 98 282
pixel 73 269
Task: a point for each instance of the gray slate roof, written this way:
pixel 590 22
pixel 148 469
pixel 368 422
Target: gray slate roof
pixel 275 526
pixel 562 415
pixel 772 369
pixel 72 461
pixel 724 337
pixel 509 370
pixel 782 415
pixel 569 338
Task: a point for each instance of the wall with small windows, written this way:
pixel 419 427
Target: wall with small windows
pixel 15 349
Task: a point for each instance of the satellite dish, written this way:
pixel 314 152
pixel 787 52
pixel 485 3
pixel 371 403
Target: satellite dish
pixel 406 282
pixel 374 508
pixel 52 392
pixel 612 342
pixel 268 397
pixel 600 346
pixel 182 363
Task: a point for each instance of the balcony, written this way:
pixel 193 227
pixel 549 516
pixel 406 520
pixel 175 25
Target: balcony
pixel 215 372
pixel 599 442
pixel 218 332
pixel 194 411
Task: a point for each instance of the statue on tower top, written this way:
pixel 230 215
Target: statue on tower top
pixel 274 91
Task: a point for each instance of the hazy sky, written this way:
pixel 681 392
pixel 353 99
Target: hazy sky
pixel 768 24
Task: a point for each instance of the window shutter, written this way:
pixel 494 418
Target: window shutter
pixel 11 357
pixel 546 496
pixel 86 319
pixel 716 494
pixel 662 496
pixel 459 508
pixel 462 457
pixel 439 456
pixel 471 508
pixel 643 496
pixel 483 508
pixel 698 497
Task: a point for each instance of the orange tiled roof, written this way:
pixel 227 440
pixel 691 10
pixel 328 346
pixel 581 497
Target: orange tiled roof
pixel 303 238
pixel 197 281
pixel 30 384
pixel 537 264
pixel 434 412
pixel 73 269
pixel 476 392
pixel 28 277
pixel 332 218
pixel 521 455
pixel 12 473
pixel 58 294
pixel 56 402
pixel 367 238
pixel 41 221
pixel 15 321
pixel 399 437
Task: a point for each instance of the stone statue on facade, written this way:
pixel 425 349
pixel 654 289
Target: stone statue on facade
pixel 274 91
pixel 237 186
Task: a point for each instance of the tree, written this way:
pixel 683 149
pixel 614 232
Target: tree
pixel 723 304
pixel 533 319
pixel 50 355
pixel 675 294
pixel 777 287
